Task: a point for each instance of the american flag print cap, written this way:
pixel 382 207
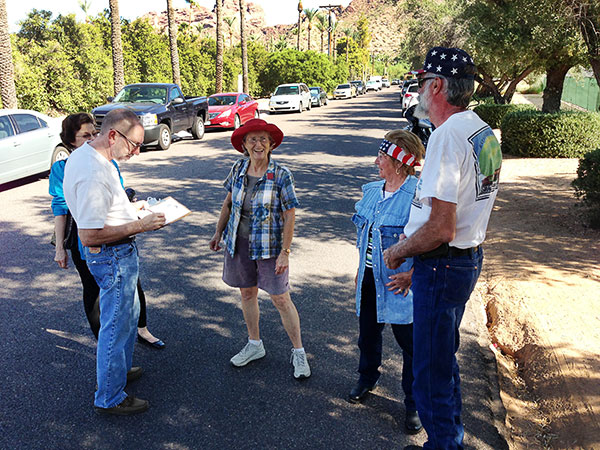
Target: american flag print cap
pixel 396 152
pixel 449 62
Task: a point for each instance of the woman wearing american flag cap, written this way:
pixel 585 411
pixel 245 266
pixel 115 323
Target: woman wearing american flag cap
pixel 384 295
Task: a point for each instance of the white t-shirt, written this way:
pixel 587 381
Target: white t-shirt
pixel 93 191
pixel 462 166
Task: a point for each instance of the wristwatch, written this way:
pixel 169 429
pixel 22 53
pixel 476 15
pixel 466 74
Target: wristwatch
pixel 287 250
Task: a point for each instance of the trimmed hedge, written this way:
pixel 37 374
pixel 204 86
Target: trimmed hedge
pixel 492 113
pixel 566 134
pixel 587 185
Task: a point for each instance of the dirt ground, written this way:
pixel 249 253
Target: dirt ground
pixel 541 284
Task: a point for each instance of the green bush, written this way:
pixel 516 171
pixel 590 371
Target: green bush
pixel 492 114
pixel 587 185
pixel 566 134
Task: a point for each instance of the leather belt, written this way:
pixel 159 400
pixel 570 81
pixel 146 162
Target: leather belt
pixel 127 240
pixel 445 251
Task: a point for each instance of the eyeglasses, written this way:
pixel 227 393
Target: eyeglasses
pixel 133 144
pixel 256 140
pixel 421 82
pixel 87 136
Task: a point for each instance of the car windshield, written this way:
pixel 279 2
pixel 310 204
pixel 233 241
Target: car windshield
pixel 221 100
pixel 287 90
pixel 142 94
pixel 343 86
pixel 314 90
pixel 413 88
pixel 371 82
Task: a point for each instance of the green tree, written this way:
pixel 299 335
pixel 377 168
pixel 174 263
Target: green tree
pixel 229 21
pixel 586 15
pixel 310 15
pixel 8 93
pixel 322 27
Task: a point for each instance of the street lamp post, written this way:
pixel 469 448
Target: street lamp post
pixel 331 20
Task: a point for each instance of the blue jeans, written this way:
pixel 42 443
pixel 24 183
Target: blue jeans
pixel 441 289
pixel 370 342
pixel 115 269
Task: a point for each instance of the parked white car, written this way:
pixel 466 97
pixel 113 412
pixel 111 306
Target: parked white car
pixel 385 82
pixel 290 97
pixel 372 86
pixel 29 143
pixel 411 97
pixel 343 91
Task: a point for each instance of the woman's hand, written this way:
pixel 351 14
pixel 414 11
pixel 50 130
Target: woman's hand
pixel 214 242
pixel 401 282
pixel 61 257
pixel 282 263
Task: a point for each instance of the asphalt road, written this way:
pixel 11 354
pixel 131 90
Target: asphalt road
pixel 198 400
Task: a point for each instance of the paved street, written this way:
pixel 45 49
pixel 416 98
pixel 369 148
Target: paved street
pixel 197 399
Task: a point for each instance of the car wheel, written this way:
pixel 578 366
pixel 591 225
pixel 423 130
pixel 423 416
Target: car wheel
pixel 257 114
pixel 300 107
pixel 309 106
pixel 164 137
pixel 319 103
pixel 198 128
pixel 326 101
pixel 236 122
pixel 59 153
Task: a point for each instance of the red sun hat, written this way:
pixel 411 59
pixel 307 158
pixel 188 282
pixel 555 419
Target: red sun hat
pixel 256 125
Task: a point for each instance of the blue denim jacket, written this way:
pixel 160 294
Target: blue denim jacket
pixel 387 219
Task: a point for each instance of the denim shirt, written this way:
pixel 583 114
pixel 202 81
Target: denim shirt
pixel 386 219
pixel 272 195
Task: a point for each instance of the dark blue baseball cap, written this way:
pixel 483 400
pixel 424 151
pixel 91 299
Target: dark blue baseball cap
pixel 449 62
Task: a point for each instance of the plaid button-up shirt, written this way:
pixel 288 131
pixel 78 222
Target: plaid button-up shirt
pixel 273 193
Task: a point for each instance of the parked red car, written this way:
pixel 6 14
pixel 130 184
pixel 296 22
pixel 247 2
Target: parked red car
pixel 231 109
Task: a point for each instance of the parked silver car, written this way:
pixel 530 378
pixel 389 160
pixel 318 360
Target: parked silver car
pixel 29 143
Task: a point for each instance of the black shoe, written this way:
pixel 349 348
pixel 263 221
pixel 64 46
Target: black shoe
pixel 159 345
pixel 360 391
pixel 412 423
pixel 127 407
pixel 134 373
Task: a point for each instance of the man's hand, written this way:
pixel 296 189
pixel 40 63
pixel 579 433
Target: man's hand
pixel 282 263
pixel 391 258
pixel 153 221
pixel 401 282
pixel 61 257
pixel 214 242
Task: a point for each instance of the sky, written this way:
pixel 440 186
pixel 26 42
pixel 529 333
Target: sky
pixel 276 11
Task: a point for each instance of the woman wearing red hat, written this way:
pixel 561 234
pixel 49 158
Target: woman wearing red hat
pixel 257 226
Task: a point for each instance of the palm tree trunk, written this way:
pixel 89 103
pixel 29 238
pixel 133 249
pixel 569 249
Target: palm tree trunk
pixel 173 42
pixel 117 46
pixel 308 36
pixel 246 87
pixel 321 42
pixel 219 56
pixel 8 93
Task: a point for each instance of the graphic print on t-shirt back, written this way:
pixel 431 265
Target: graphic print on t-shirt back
pixel 488 160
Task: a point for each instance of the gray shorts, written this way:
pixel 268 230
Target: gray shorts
pixel 242 272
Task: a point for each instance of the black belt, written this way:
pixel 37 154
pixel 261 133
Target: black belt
pixel 445 251
pixel 127 240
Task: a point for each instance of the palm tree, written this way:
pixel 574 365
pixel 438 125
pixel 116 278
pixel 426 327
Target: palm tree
pixel 245 83
pixel 173 42
pixel 334 26
pixel 299 22
pixel 310 15
pixel 8 93
pixel 193 4
pixel 281 44
pixel 219 56
pixel 322 27
pixel 117 46
pixel 229 21
pixel 348 32
pixel 85 6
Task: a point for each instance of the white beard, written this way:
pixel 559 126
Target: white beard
pixel 422 109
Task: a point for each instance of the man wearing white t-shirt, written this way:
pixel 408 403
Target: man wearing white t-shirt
pixel 107 224
pixel 448 220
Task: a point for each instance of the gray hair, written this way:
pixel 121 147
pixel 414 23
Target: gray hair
pixel 120 116
pixel 459 91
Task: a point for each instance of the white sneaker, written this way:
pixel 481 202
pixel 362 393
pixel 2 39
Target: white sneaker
pixel 300 363
pixel 249 353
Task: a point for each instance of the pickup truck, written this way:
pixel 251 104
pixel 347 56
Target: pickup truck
pixel 163 110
